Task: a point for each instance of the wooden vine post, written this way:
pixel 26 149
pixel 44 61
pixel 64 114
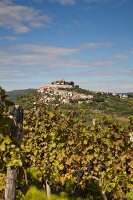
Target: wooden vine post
pixel 48 190
pixel 94 122
pixel 17 115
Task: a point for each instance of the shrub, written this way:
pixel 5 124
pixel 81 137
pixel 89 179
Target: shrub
pixel 35 194
pixel 129 195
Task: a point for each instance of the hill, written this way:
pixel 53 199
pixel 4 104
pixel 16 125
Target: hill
pixel 67 95
pixel 14 94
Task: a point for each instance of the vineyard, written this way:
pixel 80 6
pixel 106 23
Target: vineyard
pixel 62 157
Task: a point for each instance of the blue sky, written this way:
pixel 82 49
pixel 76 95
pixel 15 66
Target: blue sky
pixel 87 41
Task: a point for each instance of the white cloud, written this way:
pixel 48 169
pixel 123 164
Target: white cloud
pixel 23 63
pixel 14 73
pixel 91 1
pixel 9 38
pixel 46 57
pixel 117 2
pixel 48 50
pixel 5 2
pixel 64 2
pixel 108 85
pixel 121 56
pixel 21 18
pixel 97 45
pixel 103 63
pixel 72 2
pixel 122 86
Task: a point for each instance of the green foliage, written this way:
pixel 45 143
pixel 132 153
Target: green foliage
pixel 112 105
pixel 34 177
pixel 4 103
pixel 129 195
pixel 35 194
pixel 15 94
pixel 2 182
pixel 28 98
pixel 19 195
pixel 62 196
pixel 61 147
pixel 9 152
pixel 33 173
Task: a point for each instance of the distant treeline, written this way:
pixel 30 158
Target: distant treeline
pixel 14 94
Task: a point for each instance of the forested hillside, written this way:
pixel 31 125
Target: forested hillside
pixel 14 94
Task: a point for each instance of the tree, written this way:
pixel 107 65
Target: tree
pixel 71 83
pixel 9 152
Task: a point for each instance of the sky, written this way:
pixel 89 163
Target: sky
pixel 89 42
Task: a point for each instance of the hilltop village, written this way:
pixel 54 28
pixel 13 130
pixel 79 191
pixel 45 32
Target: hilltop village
pixel 62 92
pixel 67 94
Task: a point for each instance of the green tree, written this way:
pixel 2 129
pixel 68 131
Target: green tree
pixel 9 152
